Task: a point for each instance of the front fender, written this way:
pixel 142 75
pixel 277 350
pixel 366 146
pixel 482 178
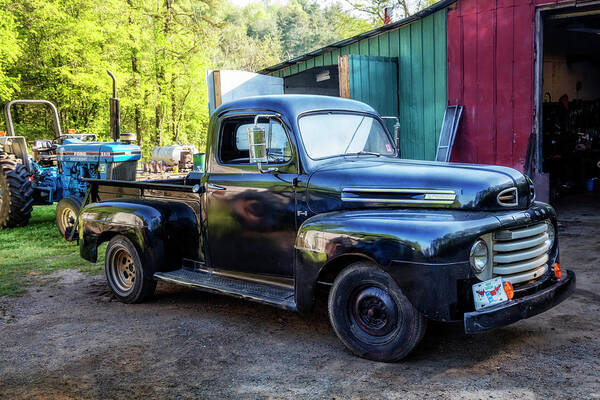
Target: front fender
pixel 425 251
pixel 163 232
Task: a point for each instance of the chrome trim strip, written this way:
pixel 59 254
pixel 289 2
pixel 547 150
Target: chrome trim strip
pixel 398 201
pixel 396 190
pixel 430 196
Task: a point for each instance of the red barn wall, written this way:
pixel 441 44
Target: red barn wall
pixel 491 73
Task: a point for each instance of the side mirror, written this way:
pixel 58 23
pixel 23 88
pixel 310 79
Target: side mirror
pixel 257 144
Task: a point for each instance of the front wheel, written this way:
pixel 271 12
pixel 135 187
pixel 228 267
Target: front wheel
pixel 67 211
pixel 372 316
pixel 124 272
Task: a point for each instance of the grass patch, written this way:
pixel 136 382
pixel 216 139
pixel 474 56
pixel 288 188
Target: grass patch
pixel 36 250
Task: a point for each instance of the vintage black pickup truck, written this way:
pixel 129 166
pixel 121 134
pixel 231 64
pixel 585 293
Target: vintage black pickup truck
pixel 301 192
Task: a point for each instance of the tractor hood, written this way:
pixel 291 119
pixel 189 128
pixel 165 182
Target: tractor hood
pixel 74 150
pixel 365 182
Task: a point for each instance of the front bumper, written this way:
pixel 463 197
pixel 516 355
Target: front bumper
pixel 521 308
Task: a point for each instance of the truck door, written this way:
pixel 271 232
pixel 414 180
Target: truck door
pixel 251 215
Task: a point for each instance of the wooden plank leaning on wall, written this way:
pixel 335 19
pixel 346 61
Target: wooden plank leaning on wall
pixel 217 88
pixel 344 76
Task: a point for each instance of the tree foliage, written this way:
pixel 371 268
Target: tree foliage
pixel 10 50
pixel 159 50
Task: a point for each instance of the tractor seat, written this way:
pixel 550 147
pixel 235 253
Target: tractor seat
pixel 44 152
pixel 43 146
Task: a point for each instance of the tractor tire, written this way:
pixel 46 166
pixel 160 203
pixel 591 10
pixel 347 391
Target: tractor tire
pixel 67 211
pixel 16 192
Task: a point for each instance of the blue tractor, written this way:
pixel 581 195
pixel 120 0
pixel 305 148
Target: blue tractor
pixel 55 170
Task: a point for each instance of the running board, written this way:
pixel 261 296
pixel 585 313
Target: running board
pixel 278 296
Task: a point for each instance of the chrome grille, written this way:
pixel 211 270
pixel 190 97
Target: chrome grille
pixel 521 254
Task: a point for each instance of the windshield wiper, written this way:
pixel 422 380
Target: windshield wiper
pixel 360 153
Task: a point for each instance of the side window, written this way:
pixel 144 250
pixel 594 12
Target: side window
pixel 234 141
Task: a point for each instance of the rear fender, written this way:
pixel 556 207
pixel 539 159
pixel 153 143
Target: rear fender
pixel 163 232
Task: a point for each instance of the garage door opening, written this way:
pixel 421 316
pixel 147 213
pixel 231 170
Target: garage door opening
pixel 569 103
pixel 321 80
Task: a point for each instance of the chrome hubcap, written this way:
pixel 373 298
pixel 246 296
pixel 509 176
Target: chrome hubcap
pixel 122 270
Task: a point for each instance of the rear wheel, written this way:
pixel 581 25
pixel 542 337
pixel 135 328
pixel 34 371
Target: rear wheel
pixel 371 315
pixel 16 192
pixel 124 272
pixel 67 211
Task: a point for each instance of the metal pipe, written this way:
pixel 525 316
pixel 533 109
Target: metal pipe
pixel 115 111
pixel 8 116
pixel 114 81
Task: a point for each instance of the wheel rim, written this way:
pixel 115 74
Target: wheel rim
pixel 374 311
pixel 68 217
pixel 122 271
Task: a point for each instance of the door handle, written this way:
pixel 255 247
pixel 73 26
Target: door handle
pixel 215 187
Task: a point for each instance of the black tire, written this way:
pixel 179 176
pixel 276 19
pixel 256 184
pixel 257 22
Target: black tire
pixel 371 315
pixel 125 273
pixel 16 192
pixel 67 211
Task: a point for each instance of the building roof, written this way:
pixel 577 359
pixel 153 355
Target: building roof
pixel 295 104
pixel 377 31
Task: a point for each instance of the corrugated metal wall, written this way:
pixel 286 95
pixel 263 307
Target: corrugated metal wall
pixel 491 71
pixel 421 50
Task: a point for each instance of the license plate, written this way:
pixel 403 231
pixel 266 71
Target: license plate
pixel 489 293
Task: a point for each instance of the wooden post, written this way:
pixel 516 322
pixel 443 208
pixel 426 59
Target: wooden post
pixel 344 76
pixel 217 88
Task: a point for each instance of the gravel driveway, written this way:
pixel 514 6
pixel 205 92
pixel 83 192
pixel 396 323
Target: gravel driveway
pixel 71 339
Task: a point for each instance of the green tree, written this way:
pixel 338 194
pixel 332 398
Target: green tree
pixel 10 49
pixel 159 50
pixel 401 8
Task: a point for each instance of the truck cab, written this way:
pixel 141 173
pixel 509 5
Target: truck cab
pixel 302 191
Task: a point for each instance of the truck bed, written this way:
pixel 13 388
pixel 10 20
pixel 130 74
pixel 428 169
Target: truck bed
pixel 103 190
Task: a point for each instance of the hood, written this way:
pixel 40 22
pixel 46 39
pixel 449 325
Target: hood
pixel 75 150
pixel 361 182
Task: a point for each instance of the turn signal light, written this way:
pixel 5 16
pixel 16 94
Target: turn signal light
pixel 557 272
pixel 509 290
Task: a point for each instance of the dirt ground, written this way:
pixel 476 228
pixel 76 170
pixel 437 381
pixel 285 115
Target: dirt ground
pixel 70 339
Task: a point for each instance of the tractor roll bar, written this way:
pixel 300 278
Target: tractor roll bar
pixel 8 116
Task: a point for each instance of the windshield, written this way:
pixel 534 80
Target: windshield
pixel 333 134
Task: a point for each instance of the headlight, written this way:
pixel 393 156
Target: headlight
pixel 479 256
pixel 551 233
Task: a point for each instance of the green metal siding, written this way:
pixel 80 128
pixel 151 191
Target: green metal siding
pixel 421 52
pixel 374 80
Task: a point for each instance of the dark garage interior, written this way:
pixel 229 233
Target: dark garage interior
pixel 320 80
pixel 571 103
